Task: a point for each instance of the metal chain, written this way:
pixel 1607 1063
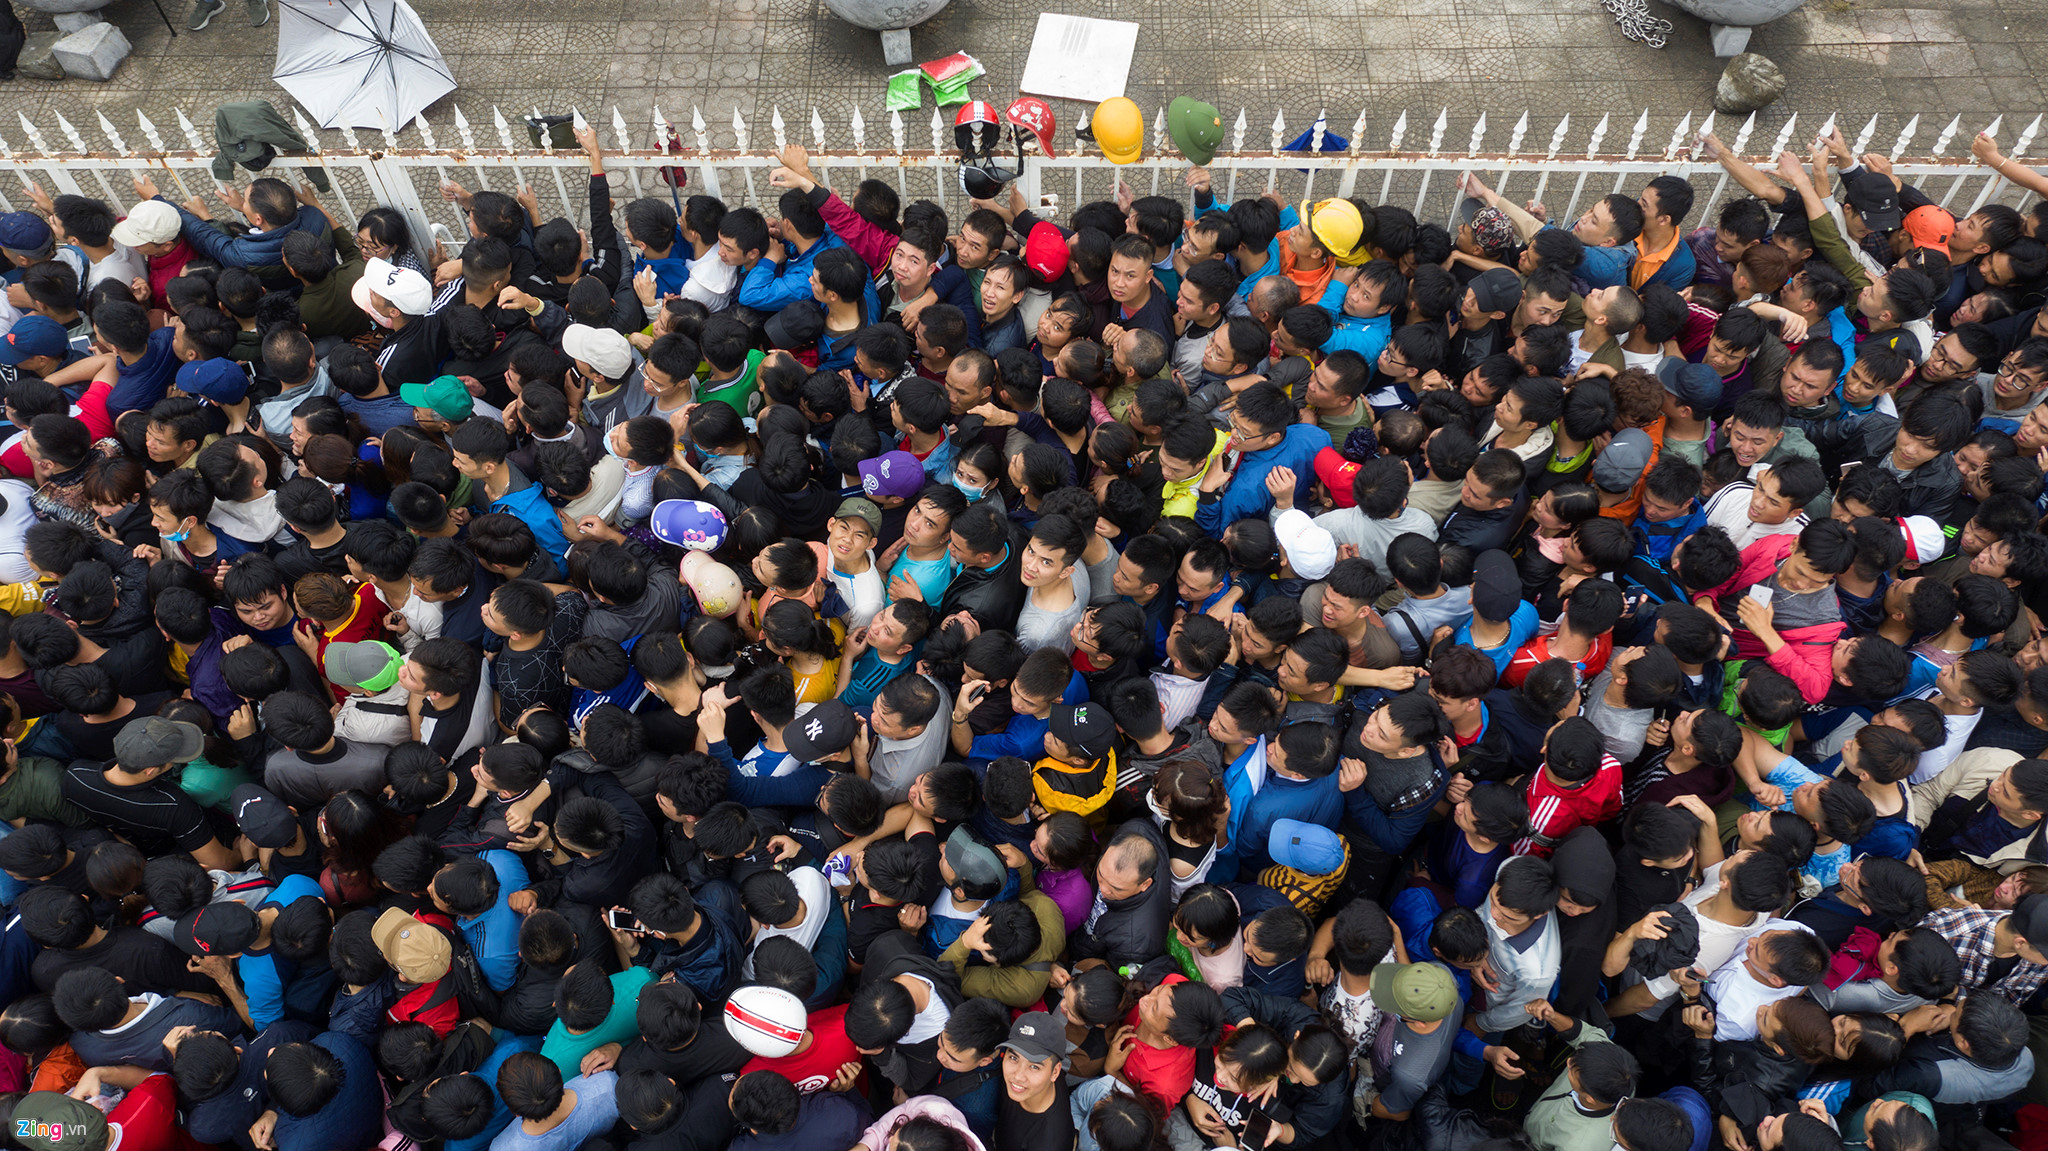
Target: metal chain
pixel 1637 23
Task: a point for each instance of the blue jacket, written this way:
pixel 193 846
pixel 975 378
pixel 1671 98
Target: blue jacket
pixel 1677 271
pixel 1657 540
pixel 1246 496
pixel 670 272
pixel 709 962
pixel 953 287
pixel 501 1115
pixel 1605 267
pixel 529 504
pixel 836 352
pixel 1316 801
pixel 1366 337
pixel 771 287
pixel 353 1118
pixel 493 937
pixel 249 249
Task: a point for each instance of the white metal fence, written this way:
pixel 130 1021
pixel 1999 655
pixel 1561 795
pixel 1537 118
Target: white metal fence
pixel 1393 165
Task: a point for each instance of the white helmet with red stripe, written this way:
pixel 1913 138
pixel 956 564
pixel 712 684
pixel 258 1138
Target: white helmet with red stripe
pixel 976 128
pixel 767 1021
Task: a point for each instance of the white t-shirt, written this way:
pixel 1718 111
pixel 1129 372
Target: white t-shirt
pixel 812 888
pixel 863 593
pixel 1738 995
pixel 124 266
pixel 1957 728
pixel 1718 940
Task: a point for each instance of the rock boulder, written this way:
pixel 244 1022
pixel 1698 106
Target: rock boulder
pixel 1748 83
pixel 92 53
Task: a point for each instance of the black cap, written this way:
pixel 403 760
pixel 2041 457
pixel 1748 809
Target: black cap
pixel 822 732
pixel 224 928
pixel 796 326
pixel 263 817
pixel 1085 727
pixel 1874 199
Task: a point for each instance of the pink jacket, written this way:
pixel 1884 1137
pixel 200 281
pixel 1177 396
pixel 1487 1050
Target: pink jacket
pixel 876 1138
pixel 1808 655
pixel 867 241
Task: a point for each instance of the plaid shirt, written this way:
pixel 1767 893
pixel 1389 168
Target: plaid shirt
pixel 1973 932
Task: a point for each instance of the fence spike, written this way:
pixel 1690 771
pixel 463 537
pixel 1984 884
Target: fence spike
pixel 619 130
pixel 149 132
pixel 391 134
pixel 1905 136
pixel 71 133
pixel 1706 128
pixel 1828 129
pixel 1742 133
pixel 739 129
pixel 817 129
pixel 305 127
pixel 547 143
pixel 1357 132
pixel 34 134
pixel 938 141
pixel 1997 122
pixel 1436 130
pixel 860 130
pixel 698 130
pixel 1863 137
pixel 6 152
pixel 1159 130
pixel 2026 138
pixel 896 129
pixel 498 119
pixel 1678 137
pixel 1557 137
pixel 426 134
pixel 775 127
pixel 462 130
pixel 1319 130
pixel 112 133
pixel 1599 134
pixel 1237 132
pixel 1478 135
pixel 1279 131
pixel 1400 130
pixel 191 133
pixel 1636 134
pixel 1521 129
pixel 1784 136
pixel 1947 134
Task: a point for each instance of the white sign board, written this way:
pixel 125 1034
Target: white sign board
pixel 1078 58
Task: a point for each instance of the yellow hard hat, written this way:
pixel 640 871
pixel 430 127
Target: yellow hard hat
pixel 1119 129
pixel 1337 225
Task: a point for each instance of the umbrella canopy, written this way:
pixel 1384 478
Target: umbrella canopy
pixel 358 63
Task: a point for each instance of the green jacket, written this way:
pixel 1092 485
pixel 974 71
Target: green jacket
pixel 35 790
pixel 1557 1123
pixel 1019 986
pixel 326 307
pixel 249 133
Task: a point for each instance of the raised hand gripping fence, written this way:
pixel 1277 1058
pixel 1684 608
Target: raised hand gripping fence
pixel 1419 174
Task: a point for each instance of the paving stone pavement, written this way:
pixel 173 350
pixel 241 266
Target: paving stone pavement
pixel 1496 56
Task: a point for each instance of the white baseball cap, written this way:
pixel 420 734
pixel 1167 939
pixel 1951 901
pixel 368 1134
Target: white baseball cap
pixel 150 222
pixel 402 288
pixel 602 348
pixel 1312 551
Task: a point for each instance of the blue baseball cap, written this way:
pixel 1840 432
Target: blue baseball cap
pixel 24 232
pixel 218 381
pixel 691 524
pixel 1309 848
pixel 34 336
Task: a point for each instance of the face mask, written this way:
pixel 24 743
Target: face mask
pixel 177 537
pixel 972 493
pixel 1152 801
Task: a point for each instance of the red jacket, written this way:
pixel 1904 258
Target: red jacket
pixel 1808 655
pixel 1555 812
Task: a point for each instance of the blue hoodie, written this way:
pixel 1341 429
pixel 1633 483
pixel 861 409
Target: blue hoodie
pixel 353 1118
pixel 771 287
pixel 1246 496
pixel 493 937
pixel 245 249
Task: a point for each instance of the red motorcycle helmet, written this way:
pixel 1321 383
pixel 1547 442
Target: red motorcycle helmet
pixel 976 130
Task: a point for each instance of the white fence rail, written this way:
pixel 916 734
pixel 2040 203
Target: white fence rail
pixel 1385 168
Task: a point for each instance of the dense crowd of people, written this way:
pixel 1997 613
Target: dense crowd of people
pixel 1184 675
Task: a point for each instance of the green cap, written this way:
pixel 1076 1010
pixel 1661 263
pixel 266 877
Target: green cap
pixel 55 1120
pixel 1420 992
pixel 1196 128
pixel 859 508
pixel 445 397
pixel 371 666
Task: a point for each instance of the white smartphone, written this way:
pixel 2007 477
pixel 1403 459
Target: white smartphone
pixel 1761 593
